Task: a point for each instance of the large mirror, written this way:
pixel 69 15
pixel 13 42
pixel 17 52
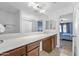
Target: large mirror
pixel 50 24
pixel 47 25
pixel 43 25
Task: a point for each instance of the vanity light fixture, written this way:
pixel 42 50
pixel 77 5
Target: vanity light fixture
pixel 36 7
pixel 31 3
pixel 42 11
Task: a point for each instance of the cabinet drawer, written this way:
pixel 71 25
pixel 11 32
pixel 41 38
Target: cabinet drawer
pixel 16 52
pixel 34 52
pixel 32 46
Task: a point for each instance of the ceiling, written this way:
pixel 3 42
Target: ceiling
pixel 54 5
pixel 68 16
pixel 50 7
pixel 4 6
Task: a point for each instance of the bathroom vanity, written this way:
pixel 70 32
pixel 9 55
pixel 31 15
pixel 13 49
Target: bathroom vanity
pixel 49 43
pixel 28 46
pixel 31 49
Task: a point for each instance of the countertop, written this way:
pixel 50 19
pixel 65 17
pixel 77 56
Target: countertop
pixel 15 40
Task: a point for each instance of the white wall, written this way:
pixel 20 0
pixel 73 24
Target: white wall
pixel 66 18
pixel 10 20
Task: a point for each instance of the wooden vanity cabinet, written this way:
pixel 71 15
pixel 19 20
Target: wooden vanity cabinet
pixel 34 52
pixel 54 43
pixel 16 52
pixel 49 43
pixel 33 49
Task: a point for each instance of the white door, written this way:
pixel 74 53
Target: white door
pixel 76 30
pixel 26 26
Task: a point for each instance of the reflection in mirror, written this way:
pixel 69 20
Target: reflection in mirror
pixel 51 24
pixel 37 26
pixel 40 26
pixel 47 25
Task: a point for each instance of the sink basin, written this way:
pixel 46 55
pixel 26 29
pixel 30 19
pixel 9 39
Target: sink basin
pixel 1 41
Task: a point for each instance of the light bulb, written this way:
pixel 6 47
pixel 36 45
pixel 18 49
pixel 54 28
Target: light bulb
pixel 31 4
pixel 42 11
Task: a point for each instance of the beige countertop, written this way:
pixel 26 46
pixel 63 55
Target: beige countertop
pixel 14 40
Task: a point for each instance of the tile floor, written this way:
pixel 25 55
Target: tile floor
pixel 65 50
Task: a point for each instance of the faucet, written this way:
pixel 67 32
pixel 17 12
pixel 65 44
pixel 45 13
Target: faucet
pixel 1 41
pixel 46 32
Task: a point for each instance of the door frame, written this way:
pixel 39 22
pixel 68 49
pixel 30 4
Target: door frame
pixel 75 30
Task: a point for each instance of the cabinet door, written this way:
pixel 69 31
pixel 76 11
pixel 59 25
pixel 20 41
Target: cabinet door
pixel 32 46
pixel 47 44
pixel 54 41
pixel 16 52
pixel 34 52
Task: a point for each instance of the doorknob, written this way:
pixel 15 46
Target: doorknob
pixel 73 35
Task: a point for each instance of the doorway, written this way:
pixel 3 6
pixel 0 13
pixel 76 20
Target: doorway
pixel 66 31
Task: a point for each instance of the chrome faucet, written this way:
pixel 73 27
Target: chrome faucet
pixel 1 41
